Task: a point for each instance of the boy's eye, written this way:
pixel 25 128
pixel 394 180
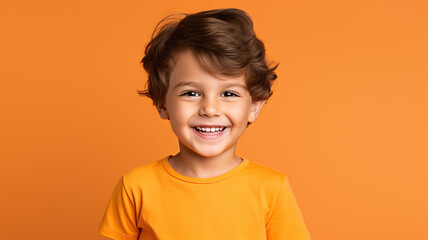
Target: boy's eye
pixel 230 94
pixel 189 93
pixel 196 94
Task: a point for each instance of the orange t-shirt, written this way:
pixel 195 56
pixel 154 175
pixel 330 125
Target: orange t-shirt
pixel 251 201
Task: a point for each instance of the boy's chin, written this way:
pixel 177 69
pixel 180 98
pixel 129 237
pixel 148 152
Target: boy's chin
pixel 208 153
pixel 204 151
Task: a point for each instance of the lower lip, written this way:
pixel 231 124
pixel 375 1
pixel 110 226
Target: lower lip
pixel 210 136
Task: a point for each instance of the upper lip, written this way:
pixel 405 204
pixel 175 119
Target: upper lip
pixel 209 126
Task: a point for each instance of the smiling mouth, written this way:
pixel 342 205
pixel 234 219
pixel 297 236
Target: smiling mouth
pixel 210 131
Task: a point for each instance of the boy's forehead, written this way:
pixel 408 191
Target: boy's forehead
pixel 183 58
pixel 187 67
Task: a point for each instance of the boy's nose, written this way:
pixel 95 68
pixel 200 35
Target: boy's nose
pixel 209 107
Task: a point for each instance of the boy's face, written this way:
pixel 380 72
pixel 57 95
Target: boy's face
pixel 195 98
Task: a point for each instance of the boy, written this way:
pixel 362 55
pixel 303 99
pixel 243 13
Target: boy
pixel 208 77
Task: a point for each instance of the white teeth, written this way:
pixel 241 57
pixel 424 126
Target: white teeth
pixel 208 130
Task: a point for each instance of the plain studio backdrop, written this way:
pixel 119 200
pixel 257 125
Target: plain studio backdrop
pixel 347 121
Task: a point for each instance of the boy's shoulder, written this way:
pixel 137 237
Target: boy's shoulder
pixel 265 172
pixel 142 172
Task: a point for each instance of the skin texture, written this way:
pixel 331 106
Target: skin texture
pixel 207 101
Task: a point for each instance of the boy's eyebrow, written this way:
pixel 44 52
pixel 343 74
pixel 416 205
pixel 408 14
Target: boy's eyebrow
pixel 236 85
pixel 184 84
pixel 193 83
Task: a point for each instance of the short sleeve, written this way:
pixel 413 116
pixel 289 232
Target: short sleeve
pixel 119 221
pixel 285 220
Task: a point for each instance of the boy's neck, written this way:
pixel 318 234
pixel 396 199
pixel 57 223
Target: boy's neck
pixel 190 164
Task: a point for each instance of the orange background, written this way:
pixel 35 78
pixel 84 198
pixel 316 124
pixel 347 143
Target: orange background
pixel 347 122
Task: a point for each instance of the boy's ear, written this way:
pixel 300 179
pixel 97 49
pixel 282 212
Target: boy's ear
pixel 163 112
pixel 255 110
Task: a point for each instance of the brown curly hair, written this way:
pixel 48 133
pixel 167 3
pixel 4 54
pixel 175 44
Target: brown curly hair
pixel 223 41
